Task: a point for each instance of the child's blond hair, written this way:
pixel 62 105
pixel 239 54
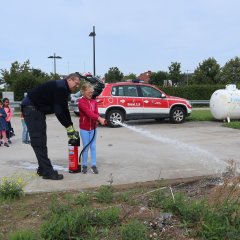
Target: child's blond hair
pixel 85 86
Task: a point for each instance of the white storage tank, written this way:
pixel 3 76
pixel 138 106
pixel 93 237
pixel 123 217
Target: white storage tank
pixel 225 103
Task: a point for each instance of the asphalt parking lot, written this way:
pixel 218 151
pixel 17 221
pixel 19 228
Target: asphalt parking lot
pixel 146 151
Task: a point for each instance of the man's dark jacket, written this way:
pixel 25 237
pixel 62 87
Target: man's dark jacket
pixel 51 97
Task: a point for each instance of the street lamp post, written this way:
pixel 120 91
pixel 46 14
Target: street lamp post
pixel 187 77
pixel 93 34
pixel 54 61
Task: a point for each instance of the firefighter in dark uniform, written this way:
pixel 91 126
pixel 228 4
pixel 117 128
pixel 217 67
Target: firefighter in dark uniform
pixel 49 97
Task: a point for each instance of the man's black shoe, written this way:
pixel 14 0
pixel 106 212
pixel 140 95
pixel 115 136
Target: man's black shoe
pixel 39 172
pixel 53 176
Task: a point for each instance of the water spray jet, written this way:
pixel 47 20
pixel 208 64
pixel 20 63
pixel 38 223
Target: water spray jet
pixel 193 150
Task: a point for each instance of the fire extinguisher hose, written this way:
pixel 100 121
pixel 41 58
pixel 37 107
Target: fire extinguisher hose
pixel 79 160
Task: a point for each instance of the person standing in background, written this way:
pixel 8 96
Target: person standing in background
pixel 3 125
pixel 9 113
pixel 25 133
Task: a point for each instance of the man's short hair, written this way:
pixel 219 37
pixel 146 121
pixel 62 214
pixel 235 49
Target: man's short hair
pixel 74 75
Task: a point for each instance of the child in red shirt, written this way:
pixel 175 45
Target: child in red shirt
pixel 89 117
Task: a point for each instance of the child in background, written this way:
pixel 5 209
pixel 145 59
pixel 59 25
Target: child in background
pixel 3 125
pixel 9 113
pixel 25 133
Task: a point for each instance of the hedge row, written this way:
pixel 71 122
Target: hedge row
pixel 193 92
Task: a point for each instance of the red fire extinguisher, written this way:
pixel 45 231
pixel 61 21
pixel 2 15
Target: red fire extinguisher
pixel 73 145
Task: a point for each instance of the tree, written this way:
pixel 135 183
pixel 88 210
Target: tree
pixel 207 72
pixel 25 82
pixel 22 78
pixel 158 78
pixel 53 76
pixel 187 78
pixel 130 76
pixel 113 75
pixel 16 68
pixel 175 72
pixel 231 71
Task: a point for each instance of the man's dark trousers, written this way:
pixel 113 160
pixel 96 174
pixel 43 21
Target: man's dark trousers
pixel 36 124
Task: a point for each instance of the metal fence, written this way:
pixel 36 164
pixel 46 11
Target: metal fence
pixel 15 104
pixel 199 102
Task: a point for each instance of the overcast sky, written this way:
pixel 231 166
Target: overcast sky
pixel 133 35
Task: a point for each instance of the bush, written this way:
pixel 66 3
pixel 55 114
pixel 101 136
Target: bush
pixel 108 217
pixel 68 222
pixel 11 188
pixel 83 199
pixel 218 220
pixel 193 92
pixel 134 230
pixel 105 194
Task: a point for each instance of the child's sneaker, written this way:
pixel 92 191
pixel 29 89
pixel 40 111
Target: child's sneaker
pixel 94 170
pixel 84 169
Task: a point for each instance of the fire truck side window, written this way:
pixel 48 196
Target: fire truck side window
pixel 132 91
pixel 114 91
pixel 121 91
pixel 127 91
pixel 150 92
